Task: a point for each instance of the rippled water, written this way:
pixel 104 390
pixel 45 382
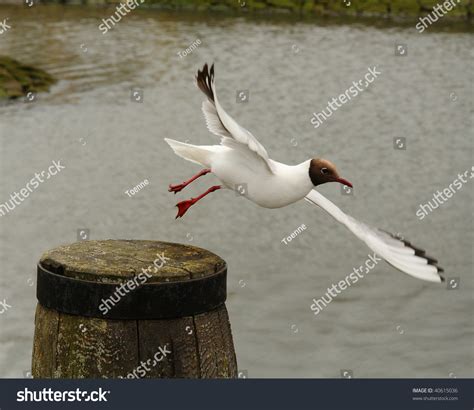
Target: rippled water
pixel 388 324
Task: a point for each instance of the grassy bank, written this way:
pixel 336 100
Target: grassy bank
pixel 462 10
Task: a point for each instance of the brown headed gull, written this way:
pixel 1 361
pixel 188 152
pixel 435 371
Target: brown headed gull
pixel 241 159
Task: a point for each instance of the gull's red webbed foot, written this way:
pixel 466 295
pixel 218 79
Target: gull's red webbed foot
pixel 183 206
pixel 179 187
pixel 176 188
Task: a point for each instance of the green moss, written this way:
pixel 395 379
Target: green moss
pixel 459 9
pixel 291 5
pixel 428 4
pixel 203 4
pixel 462 9
pixel 409 9
pixel 405 7
pixel 3 93
pixel 339 7
pixel 372 7
pixel 17 80
pixel 308 6
pixel 256 5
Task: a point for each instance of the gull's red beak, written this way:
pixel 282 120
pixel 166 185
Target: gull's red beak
pixel 344 182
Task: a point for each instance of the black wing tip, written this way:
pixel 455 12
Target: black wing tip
pixel 420 252
pixel 431 260
pixel 204 80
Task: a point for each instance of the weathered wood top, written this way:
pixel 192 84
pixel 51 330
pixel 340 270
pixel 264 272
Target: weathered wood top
pixel 112 261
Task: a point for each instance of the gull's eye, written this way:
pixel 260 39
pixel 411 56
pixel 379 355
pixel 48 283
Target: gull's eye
pixel 325 171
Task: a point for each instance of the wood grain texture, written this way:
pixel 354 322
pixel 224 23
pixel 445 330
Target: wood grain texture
pixel 154 334
pixel 231 359
pixel 45 341
pixel 120 260
pixel 68 346
pixel 213 343
pixel 180 337
pixel 95 348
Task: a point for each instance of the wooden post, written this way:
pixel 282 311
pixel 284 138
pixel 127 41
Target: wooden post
pixel 118 308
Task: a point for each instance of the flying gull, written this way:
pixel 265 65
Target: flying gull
pixel 241 159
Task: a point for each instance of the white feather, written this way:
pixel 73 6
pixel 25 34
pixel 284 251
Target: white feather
pixel 392 250
pixel 222 124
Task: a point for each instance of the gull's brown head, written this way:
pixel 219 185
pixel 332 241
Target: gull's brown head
pixel 322 171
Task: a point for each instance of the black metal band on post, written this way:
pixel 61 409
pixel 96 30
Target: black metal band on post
pixel 164 300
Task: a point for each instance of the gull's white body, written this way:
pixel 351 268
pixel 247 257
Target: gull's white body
pixel 287 185
pixel 242 169
pixel 241 161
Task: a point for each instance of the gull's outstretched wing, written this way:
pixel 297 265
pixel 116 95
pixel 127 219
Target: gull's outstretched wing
pixel 398 253
pixel 222 124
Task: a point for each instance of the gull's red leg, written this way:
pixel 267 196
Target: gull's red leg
pixel 183 206
pixel 179 187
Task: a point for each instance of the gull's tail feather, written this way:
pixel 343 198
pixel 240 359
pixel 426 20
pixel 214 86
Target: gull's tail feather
pixel 198 154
